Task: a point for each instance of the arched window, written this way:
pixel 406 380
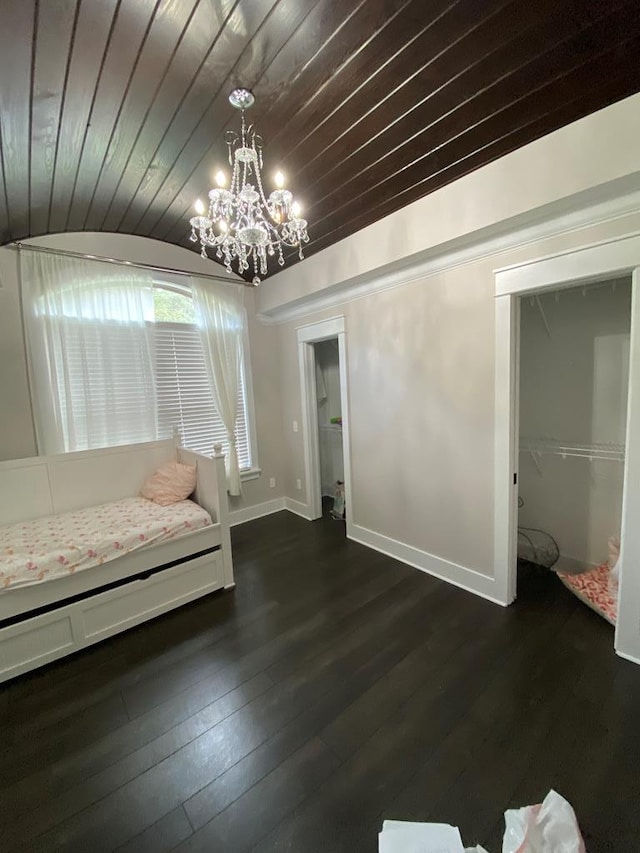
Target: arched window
pixel 172 304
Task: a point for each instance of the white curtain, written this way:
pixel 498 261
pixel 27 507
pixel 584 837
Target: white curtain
pixel 90 360
pixel 220 318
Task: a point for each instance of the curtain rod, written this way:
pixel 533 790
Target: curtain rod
pixel 84 256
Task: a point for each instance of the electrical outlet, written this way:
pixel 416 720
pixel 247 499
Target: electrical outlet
pixel 299 485
pixel 272 482
pixel 295 426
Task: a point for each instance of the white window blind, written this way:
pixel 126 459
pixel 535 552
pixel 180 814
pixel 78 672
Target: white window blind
pixel 184 396
pixel 104 387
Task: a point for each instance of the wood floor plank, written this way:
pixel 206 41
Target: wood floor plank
pixel 333 688
pixel 393 753
pixel 209 620
pixel 375 706
pixel 261 808
pixel 223 791
pixel 151 782
pixel 44 746
pixel 77 765
pixel 62 799
pixel 161 837
pixel 256 649
pixel 195 666
pixel 499 729
pixel 378 660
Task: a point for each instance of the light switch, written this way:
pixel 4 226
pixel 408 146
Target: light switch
pixel 295 426
pixel 299 485
pixel 272 482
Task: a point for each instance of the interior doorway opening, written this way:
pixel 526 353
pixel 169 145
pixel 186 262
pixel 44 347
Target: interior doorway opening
pixel 329 413
pixel 582 267
pixel 324 392
pixel 572 393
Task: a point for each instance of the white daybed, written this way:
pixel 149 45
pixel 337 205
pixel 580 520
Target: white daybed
pixel 41 622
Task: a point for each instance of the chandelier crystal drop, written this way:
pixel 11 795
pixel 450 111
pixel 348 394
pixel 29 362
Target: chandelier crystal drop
pixel 244 226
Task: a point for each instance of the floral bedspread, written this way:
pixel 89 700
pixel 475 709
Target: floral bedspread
pixel 57 545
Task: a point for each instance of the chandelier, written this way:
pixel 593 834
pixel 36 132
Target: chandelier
pixel 242 224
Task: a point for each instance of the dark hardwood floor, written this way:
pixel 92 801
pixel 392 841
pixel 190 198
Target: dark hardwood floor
pixel 333 688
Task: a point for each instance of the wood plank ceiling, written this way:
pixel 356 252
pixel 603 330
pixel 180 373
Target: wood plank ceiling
pixel 112 112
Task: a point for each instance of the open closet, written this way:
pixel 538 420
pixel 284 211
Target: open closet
pixel 330 447
pixel 573 390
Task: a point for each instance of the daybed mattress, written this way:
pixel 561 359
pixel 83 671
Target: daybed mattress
pixel 59 545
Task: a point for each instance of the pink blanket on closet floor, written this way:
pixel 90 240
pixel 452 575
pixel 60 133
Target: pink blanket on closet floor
pixel 594 589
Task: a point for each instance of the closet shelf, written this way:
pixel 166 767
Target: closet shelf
pixel 603 450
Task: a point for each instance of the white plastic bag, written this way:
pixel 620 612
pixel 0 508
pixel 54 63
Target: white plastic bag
pixel 550 827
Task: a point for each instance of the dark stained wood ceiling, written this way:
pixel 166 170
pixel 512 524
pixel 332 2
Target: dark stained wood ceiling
pixel 112 112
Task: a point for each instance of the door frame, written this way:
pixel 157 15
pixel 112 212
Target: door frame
pixel 307 336
pixel 597 262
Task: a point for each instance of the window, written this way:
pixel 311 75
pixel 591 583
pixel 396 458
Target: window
pixel 111 409
pixel 118 360
pixel 182 384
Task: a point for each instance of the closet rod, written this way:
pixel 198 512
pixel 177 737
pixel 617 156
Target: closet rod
pixel 577 454
pixel 84 256
pixel 612 452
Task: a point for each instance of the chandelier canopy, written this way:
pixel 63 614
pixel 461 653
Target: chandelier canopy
pixel 242 224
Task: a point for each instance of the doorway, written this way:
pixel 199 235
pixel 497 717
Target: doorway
pixel 572 411
pixel 582 267
pixel 325 422
pixel 329 414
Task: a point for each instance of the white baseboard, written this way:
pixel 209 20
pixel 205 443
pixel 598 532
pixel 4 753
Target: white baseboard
pixel 628 657
pixel 298 508
pixel 248 513
pixel 467 579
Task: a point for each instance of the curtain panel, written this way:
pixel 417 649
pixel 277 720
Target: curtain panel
pixel 220 317
pixel 89 354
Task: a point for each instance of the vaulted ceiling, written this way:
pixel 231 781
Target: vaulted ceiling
pixel 112 112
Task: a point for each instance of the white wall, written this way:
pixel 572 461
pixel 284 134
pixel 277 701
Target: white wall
pixel 573 390
pixel 421 367
pixel 417 294
pixel 17 439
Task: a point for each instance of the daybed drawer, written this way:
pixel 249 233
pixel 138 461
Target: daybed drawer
pixel 41 639
pixel 138 601
pixel 44 639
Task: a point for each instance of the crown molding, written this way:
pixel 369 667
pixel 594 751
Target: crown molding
pixel 592 207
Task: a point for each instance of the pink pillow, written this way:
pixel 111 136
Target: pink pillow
pixel 171 483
